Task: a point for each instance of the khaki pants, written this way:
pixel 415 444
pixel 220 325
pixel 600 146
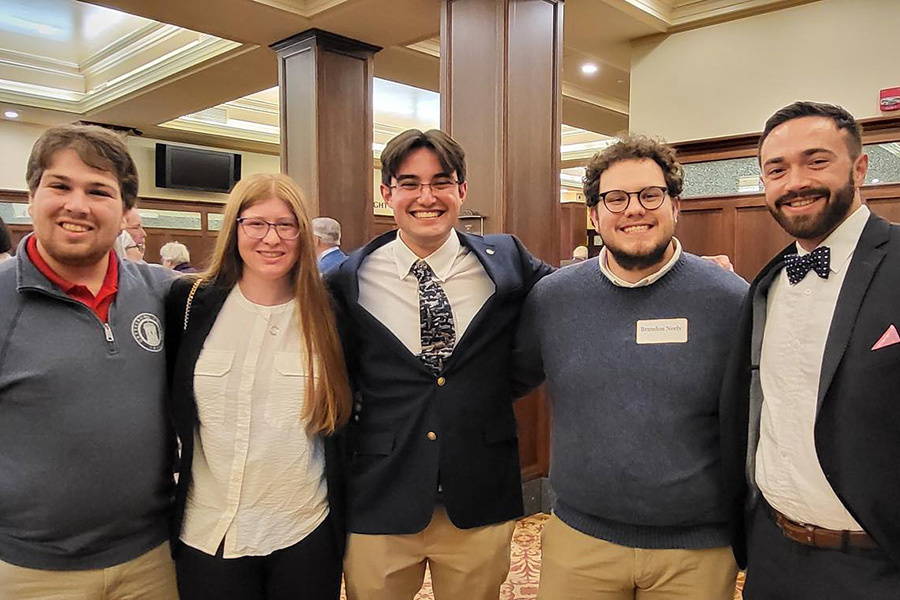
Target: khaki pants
pixel 147 577
pixel 465 564
pixel 576 566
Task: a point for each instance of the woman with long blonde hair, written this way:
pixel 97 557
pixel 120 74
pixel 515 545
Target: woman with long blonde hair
pixel 259 389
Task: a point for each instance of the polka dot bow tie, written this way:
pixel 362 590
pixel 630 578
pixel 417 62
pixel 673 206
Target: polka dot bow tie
pixel 798 266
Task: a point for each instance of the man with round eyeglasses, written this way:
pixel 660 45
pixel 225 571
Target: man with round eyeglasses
pixel 633 346
pixel 134 226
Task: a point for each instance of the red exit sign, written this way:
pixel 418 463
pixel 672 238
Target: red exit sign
pixel 890 99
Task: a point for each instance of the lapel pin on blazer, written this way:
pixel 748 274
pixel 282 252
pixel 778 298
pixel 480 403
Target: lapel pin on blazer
pixel 888 338
pixel 489 250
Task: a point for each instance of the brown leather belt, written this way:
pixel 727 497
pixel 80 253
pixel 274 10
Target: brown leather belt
pixel 819 537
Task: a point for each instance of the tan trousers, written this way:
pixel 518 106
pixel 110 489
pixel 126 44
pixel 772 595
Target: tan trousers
pixel 147 577
pixel 465 564
pixel 576 566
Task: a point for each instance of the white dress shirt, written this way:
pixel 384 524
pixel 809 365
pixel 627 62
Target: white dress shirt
pixel 798 318
pixel 258 477
pixel 649 279
pixel 390 292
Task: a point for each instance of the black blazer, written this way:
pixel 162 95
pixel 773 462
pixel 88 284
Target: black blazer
pixel 182 350
pixel 857 430
pixel 393 465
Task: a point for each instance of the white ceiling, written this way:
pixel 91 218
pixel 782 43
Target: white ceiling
pixel 191 81
pixel 62 29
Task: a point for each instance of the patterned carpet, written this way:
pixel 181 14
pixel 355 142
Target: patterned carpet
pixel 525 564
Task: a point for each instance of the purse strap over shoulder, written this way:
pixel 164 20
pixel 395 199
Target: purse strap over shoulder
pixel 190 300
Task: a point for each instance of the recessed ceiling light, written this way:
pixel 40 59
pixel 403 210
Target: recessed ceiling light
pixel 589 68
pixel 11 114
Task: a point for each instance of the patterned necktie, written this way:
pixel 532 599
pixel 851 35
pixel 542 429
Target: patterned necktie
pixel 435 319
pixel 798 266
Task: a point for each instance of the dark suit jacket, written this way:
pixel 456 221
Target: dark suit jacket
pixel 182 350
pixel 857 430
pixel 394 466
pixel 331 260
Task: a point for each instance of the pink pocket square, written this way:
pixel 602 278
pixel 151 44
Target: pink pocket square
pixel 889 338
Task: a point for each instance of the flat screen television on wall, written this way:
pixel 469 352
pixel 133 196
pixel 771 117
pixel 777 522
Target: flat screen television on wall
pixel 185 168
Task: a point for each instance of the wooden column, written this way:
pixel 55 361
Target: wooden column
pixel 500 99
pixel 326 126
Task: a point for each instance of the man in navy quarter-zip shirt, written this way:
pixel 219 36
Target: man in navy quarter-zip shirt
pixel 85 475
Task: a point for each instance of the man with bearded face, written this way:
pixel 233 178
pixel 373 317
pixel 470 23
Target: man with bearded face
pixel 810 413
pixel 635 460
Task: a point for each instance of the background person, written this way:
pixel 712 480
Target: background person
pixel 328 241
pixel 135 227
pixel 258 390
pixel 175 256
pixel 5 242
pixel 580 253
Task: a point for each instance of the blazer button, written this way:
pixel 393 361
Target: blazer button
pixel 441 381
pixel 358 407
pixel 432 436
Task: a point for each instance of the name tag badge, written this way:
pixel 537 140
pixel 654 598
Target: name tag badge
pixel 662 331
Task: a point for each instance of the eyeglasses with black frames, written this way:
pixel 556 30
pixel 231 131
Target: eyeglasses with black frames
pixel 438 187
pixel 258 228
pixel 617 201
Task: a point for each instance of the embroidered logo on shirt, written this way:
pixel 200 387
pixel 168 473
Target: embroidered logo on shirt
pixel 147 332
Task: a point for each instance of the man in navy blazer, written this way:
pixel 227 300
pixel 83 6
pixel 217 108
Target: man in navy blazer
pixel 810 410
pixel 427 316
pixel 327 232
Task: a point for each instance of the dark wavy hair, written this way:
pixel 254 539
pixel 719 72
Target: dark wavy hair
pixel 842 119
pixel 633 147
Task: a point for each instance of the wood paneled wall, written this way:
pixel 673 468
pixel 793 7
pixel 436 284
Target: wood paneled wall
pixel 572 228
pixel 383 224
pixel 741 226
pixel 200 243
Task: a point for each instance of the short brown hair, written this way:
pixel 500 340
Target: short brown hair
pixel 449 153
pixel 842 119
pixel 96 147
pixel 633 147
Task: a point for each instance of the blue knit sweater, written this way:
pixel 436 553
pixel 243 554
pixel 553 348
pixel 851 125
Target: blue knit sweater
pixel 635 435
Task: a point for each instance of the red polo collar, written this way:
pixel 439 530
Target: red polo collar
pixel 98 304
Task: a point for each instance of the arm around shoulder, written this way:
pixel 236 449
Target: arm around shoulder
pixel 527 370
pixel 533 268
